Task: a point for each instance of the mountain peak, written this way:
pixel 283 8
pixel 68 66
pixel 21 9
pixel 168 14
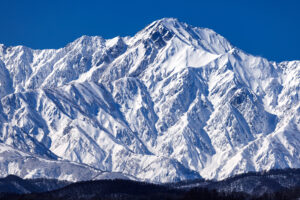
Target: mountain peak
pixel 167 21
pixel 200 38
pixel 171 103
pixel 170 24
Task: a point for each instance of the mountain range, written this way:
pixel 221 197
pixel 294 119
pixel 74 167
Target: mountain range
pixel 173 102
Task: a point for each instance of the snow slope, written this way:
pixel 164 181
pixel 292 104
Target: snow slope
pixel 173 102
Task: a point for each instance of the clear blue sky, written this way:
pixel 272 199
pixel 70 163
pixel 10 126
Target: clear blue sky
pixel 269 28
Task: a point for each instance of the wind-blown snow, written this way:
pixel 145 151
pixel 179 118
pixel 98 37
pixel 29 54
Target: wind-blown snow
pixel 173 102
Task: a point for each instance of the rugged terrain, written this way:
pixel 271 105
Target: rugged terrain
pixel 174 102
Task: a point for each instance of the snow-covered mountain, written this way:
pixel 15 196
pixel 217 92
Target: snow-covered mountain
pixel 173 102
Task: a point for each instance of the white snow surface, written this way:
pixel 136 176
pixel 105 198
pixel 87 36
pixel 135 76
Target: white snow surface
pixel 173 102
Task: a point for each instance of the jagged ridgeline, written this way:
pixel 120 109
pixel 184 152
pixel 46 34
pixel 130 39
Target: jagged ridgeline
pixel 174 102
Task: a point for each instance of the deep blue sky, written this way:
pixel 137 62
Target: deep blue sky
pixel 269 28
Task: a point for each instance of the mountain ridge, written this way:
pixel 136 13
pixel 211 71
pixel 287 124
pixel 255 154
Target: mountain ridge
pixel 173 102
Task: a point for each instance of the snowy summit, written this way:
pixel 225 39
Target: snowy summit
pixel 173 102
